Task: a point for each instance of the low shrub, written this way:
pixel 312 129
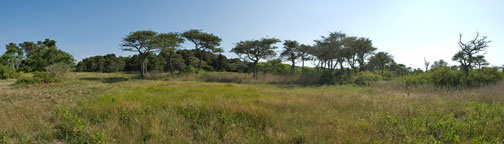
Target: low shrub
pixel 365 78
pixel 59 70
pixel 446 77
pixel 38 77
pixel 73 130
pixel 6 73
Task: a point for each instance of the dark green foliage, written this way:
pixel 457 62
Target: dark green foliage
pixel 203 42
pixel 12 57
pixel 6 73
pixel 108 63
pixel 291 52
pixel 46 57
pixel 141 42
pixel 255 50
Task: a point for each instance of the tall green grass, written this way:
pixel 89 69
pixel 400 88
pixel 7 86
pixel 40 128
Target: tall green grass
pixel 117 108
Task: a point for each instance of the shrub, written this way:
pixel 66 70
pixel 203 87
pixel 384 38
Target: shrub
pixel 6 73
pixel 38 77
pixel 226 77
pixel 365 78
pixel 444 76
pixel 59 70
pixel 447 77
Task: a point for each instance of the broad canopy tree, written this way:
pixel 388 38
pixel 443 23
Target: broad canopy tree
pixel 290 52
pixel 380 61
pixel 141 42
pixel 203 42
pixel 304 54
pixel 168 43
pixel 255 50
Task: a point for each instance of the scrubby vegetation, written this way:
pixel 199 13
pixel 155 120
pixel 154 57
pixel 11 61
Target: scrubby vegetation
pixel 447 77
pixel 118 108
pixel 164 94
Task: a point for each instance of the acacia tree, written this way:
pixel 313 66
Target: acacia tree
pixel 466 55
pixel 290 52
pixel 168 43
pixel 364 48
pixel 141 42
pixel 255 50
pixel 480 61
pixel 349 51
pixel 304 55
pixel 203 42
pixel 328 51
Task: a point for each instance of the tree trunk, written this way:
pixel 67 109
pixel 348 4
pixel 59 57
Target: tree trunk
pixel 292 66
pixel 200 57
pixel 302 66
pixel 255 69
pixel 170 63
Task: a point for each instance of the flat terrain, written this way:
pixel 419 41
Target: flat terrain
pixel 117 108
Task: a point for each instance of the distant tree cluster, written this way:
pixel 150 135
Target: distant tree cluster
pixel 29 56
pixel 181 61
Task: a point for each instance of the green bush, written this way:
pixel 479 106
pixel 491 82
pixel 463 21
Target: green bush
pixel 6 73
pixel 447 77
pixel 38 77
pixel 59 70
pixel 365 78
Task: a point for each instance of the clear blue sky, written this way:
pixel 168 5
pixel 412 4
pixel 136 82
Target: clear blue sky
pixel 408 29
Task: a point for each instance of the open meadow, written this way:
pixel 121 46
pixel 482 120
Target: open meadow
pixel 119 108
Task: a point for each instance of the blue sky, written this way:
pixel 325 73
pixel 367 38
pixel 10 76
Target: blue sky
pixel 408 29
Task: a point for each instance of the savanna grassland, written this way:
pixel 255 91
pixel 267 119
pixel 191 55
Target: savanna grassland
pixel 118 108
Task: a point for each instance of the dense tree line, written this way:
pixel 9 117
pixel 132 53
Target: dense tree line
pixel 337 57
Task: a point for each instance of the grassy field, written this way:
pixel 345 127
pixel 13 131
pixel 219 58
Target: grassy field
pixel 117 108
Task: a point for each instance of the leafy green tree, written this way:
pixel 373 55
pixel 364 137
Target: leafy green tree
pixel 364 48
pixel 304 55
pixel 219 63
pixel 30 48
pixel 290 52
pixel 381 61
pixel 46 57
pixel 203 42
pixel 47 43
pixel 328 51
pixel 350 51
pixel 439 63
pixel 255 50
pixel 480 61
pixel 141 42
pixel 466 56
pixel 168 43
pixel 12 57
